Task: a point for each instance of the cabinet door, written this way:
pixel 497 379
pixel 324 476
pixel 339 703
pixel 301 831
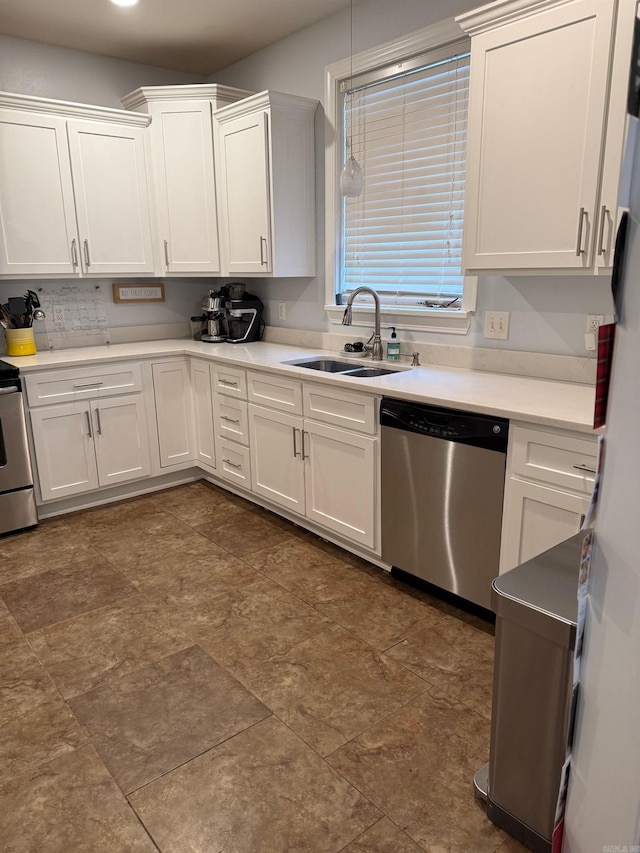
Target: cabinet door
pixel 340 473
pixel 243 152
pixel 64 449
pixel 173 411
pixel 120 434
pixel 537 103
pixel 203 413
pixel 112 201
pixel 535 519
pixel 37 214
pixel 277 472
pixel 182 147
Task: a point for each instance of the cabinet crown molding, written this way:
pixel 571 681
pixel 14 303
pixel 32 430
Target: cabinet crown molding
pixel 196 92
pixel 265 100
pixel 502 12
pixel 68 109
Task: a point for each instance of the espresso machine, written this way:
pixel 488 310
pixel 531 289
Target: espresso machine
pixel 244 316
pixel 214 317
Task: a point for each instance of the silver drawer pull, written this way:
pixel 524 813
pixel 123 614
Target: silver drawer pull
pixel 228 382
pixel 231 464
pixel 585 468
pixel 89 385
pixel 229 420
pixel 90 433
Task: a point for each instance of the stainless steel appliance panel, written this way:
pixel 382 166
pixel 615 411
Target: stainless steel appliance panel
pixel 442 506
pixel 17 510
pixel 15 467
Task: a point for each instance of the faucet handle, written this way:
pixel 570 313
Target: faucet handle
pixel 416 359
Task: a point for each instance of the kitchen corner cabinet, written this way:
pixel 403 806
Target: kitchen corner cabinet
pixel 264 151
pixel 73 190
pixel 172 393
pixel 205 450
pixel 182 172
pixel 550 477
pixel 542 126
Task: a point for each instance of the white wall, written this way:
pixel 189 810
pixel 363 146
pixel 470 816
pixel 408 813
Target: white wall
pixel 547 315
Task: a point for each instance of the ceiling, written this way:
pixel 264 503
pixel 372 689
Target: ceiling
pixel 198 36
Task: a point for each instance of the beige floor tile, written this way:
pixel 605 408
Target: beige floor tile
pixel 263 790
pixel 81 653
pixel 24 683
pixel 383 837
pixel 417 766
pixel 142 543
pixel 331 687
pixel 196 503
pixel 150 721
pixel 49 597
pixel 453 656
pixel 371 609
pixel 69 804
pixel 9 630
pixel 39 735
pixel 512 846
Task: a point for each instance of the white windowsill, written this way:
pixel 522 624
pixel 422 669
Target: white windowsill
pixel 418 319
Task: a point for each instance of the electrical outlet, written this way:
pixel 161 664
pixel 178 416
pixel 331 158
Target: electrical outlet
pixel 594 321
pixel 58 315
pixel 282 310
pixel 496 325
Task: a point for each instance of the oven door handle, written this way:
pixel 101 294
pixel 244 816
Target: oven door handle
pixel 11 389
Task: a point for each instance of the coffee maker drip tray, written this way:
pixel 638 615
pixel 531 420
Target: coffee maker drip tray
pixel 213 339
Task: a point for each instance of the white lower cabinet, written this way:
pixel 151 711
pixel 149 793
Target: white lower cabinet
pixel 172 391
pixel 84 445
pixel 550 476
pixel 205 447
pixel 323 473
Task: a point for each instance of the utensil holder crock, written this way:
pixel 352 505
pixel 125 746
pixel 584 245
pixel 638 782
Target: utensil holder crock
pixel 20 341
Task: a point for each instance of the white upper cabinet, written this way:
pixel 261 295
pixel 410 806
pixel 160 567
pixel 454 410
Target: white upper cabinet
pixel 538 116
pixel 37 214
pixel 73 190
pixel 182 169
pixel 112 199
pixel 264 149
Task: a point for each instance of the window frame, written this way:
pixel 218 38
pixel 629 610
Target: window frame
pixel 445 35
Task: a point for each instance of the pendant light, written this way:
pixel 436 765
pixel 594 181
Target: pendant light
pixel 351 177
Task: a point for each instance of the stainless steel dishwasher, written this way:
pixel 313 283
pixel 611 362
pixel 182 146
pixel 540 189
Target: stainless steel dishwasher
pixel 443 475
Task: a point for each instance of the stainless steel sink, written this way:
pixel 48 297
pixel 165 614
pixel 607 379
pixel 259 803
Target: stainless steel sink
pixel 343 368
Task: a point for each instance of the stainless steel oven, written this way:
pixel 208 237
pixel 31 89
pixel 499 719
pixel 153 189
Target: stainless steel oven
pixel 17 501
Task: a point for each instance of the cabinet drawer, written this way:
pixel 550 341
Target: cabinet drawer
pixel 234 462
pixel 59 386
pixel 342 408
pixel 230 418
pixel 275 392
pixel 554 458
pixel 229 381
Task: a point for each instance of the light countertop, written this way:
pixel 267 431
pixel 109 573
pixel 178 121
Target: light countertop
pixel 563 405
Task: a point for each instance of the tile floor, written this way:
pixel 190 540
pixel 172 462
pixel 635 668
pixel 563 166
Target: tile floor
pixel 188 672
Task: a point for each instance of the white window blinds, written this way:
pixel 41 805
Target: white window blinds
pixel 403 234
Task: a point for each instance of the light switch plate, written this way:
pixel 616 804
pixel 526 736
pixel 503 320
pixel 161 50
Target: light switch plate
pixel 496 325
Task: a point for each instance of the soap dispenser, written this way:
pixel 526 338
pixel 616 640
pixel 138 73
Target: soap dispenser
pixel 393 347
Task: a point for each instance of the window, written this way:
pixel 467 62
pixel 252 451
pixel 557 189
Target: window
pixel 405 123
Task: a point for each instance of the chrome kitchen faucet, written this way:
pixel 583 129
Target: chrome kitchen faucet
pixel 375 342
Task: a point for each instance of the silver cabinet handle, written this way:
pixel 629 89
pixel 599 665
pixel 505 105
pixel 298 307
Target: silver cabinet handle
pixel 305 455
pixel 87 259
pixel 229 383
pixel 581 218
pixel 166 253
pixel 296 452
pixel 231 464
pixel 74 252
pixel 603 221
pixel 585 468
pixel 99 422
pixel 229 420
pixel 263 254
pixel 90 431
pixel 89 385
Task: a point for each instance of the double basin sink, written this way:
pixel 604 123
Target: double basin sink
pixel 343 368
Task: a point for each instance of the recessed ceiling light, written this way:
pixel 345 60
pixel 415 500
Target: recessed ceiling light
pixel 124 2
